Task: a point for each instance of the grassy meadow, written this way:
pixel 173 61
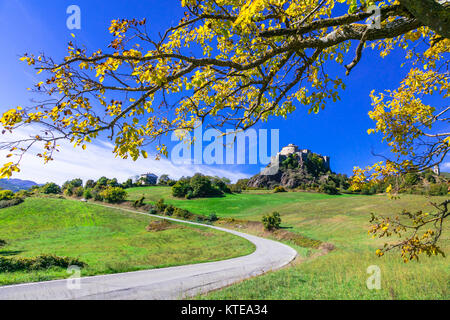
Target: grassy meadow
pixel 340 220
pixel 108 240
pixel 246 205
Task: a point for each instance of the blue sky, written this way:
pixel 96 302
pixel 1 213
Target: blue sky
pixel 40 26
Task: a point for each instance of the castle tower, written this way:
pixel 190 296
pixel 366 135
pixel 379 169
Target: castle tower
pixel 290 149
pixel 436 170
pixel 327 162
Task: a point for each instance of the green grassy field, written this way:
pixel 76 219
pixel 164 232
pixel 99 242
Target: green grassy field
pixel 246 205
pixel 108 240
pixel 341 220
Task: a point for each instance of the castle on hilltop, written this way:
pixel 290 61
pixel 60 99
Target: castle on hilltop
pixel 291 149
pixel 292 167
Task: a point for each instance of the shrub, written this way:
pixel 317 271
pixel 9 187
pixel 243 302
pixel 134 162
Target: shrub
pixel 114 195
pixel 6 194
pixel 213 217
pixel 190 195
pixel 97 195
pixel 2 243
pixel 201 219
pixel 278 189
pixel 37 263
pixel 87 194
pixel 10 203
pixel 271 221
pixel 242 184
pixel 158 225
pixel 430 177
pixel 291 162
pixel 139 203
pixel 235 188
pixel 78 192
pixel 439 189
pixel 182 213
pixel 22 194
pixel 68 192
pixel 315 164
pixel 51 188
pixel 169 210
pixel 35 189
pixel 160 206
pixel 368 190
pixel 329 188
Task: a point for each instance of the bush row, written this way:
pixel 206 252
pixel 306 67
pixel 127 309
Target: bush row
pixel 161 208
pixel 10 203
pixel 9 198
pixel 38 263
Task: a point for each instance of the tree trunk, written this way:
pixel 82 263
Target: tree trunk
pixel 431 13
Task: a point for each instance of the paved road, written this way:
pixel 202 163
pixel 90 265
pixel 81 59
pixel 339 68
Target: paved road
pixel 167 283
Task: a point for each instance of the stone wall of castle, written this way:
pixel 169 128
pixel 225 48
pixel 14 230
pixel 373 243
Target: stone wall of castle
pixel 302 154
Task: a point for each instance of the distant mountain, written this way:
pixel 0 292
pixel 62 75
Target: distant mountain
pixel 16 184
pixel 445 175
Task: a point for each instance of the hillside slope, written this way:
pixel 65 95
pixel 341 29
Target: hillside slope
pixel 108 240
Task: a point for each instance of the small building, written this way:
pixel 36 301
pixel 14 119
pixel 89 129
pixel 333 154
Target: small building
pixel 148 179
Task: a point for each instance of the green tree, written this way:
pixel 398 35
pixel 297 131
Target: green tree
pixel 102 182
pixel 202 186
pixel 164 180
pixel 90 184
pixel 87 193
pixel 128 184
pixel 411 178
pixel 271 221
pixel 51 188
pixel 114 195
pixel 315 164
pixel 75 183
pixel 181 188
pixel 112 182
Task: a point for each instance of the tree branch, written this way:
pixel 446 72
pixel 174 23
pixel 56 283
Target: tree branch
pixel 430 13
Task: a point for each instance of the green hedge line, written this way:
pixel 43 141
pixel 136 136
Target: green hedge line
pixel 10 203
pixel 37 263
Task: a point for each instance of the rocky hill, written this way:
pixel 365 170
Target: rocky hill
pixel 292 168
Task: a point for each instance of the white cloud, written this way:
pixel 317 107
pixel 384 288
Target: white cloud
pixel 445 166
pixel 97 161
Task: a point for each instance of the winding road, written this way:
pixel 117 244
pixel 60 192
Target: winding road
pixel 166 283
